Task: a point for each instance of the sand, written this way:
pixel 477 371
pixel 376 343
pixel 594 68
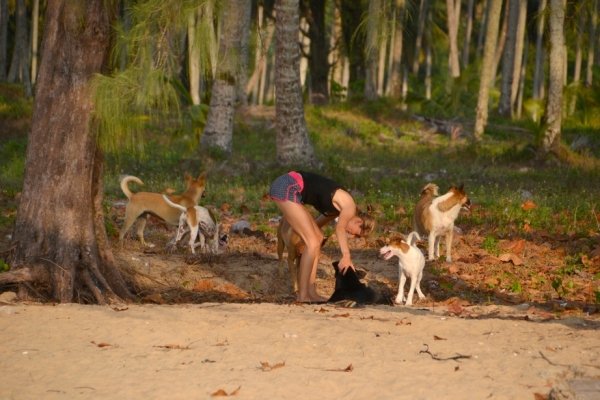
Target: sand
pixel 289 351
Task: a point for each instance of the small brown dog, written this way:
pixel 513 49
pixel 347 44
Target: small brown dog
pixel 287 238
pixel 143 203
pixel 434 216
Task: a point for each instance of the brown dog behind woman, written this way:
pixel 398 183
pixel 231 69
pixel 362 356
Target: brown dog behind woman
pixel 294 189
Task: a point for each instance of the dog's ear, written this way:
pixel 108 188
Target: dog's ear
pixel 369 209
pixel 462 187
pixel 202 177
pixel 452 186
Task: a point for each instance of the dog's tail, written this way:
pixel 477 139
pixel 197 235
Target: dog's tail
pixel 431 189
pixel 412 238
pixel 169 202
pixel 124 184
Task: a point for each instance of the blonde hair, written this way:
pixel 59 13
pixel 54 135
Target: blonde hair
pixel 368 225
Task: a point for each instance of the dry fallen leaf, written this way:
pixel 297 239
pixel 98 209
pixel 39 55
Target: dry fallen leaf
pixel 266 367
pixel 225 343
pixel 528 205
pixel 225 207
pixel 221 392
pixel 101 344
pixel 439 338
pixel 506 257
pixel 321 310
pixel 349 368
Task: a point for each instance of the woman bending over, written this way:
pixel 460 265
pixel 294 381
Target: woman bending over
pixel 294 189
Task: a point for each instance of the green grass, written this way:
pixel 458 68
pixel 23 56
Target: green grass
pixel 375 149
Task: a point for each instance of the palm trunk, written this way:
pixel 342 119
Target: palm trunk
pixel 593 20
pixel 60 239
pixel 508 60
pixel 293 143
pixel 489 51
pixel 538 75
pixel 35 17
pixel 19 66
pixel 3 38
pixel 218 131
pixel 522 78
pixel 305 44
pixel 452 37
pixel 382 55
pixel 396 74
pixel 319 50
pixel 578 58
pixel 372 50
pixel 193 60
pixel 483 27
pixel 419 39
pixel 520 59
pixel 468 32
pixel 553 111
pixel 241 97
pixel 501 44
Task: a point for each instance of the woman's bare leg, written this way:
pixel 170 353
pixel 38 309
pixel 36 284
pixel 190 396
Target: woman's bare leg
pixel 303 223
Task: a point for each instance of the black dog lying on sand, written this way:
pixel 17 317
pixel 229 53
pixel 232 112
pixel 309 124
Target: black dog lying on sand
pixel 349 287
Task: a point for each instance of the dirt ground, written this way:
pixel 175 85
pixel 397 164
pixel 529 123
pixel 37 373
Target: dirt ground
pixel 227 324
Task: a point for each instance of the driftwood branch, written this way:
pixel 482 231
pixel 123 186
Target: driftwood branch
pixel 455 358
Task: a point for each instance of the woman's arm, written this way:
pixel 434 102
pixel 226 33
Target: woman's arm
pixel 345 203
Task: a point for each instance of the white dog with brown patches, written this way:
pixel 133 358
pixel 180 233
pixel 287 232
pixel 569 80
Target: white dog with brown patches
pixel 434 216
pixel 201 223
pixel 411 263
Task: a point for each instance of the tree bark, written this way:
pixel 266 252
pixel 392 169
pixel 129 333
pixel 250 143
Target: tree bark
pixel 483 26
pixel 508 59
pixel 318 63
pixel 19 66
pixel 242 78
pixel 452 38
pixel 218 131
pixel 35 18
pixel 500 46
pixel 293 143
pixel 59 238
pixel 593 20
pixel 520 57
pixel 372 50
pixel 538 74
pixel 489 51
pixel 468 32
pixel 396 74
pixel 354 42
pixel 3 38
pixel 553 111
pixel 193 60
pixel 423 10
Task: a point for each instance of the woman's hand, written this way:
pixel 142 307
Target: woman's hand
pixel 345 263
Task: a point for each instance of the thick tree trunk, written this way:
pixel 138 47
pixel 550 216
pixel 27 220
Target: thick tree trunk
pixel 60 238
pixel 501 43
pixel 508 60
pixel 452 38
pixel 354 42
pixel 396 74
pixel 218 131
pixel 382 54
pixel 553 111
pixel 489 51
pixel 318 64
pixel 522 78
pixel 469 30
pixel 483 27
pixel 19 66
pixel 293 143
pixel 372 50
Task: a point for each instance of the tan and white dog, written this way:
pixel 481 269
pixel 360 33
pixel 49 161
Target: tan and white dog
pixel 410 264
pixel 288 239
pixel 201 223
pixel 435 216
pixel 143 203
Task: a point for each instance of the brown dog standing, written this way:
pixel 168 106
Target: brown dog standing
pixel 143 203
pixel 288 239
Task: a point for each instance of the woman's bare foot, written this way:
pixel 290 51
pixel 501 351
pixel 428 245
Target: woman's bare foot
pixel 311 299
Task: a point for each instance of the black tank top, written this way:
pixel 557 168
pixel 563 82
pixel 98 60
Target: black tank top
pixel 318 192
